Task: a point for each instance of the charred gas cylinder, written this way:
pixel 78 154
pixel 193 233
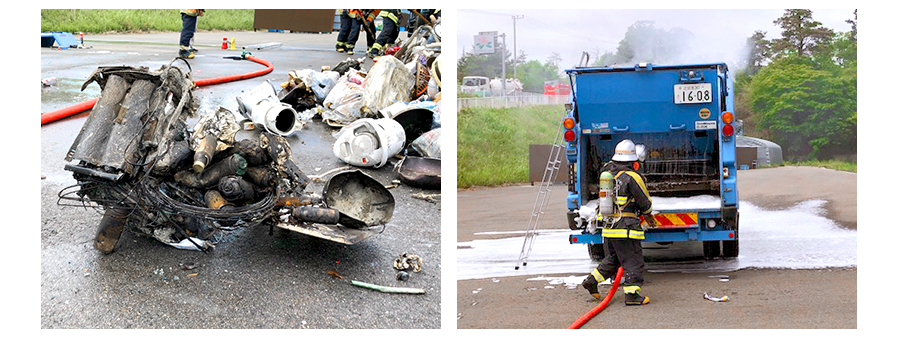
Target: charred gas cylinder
pixel 250 150
pixel 110 229
pixel 303 200
pixel 204 152
pixel 233 165
pixel 235 189
pixel 214 199
pixel 261 176
pixel 312 214
pixel 172 159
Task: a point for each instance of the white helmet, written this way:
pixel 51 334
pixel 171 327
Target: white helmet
pixel 625 152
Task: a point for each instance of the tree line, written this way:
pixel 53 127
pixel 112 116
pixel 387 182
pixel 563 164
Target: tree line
pixel 799 90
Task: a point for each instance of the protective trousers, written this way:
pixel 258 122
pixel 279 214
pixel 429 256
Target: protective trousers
pixel 188 26
pixel 388 34
pixel 628 254
pixel 348 25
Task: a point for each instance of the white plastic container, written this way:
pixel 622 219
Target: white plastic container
pixel 369 142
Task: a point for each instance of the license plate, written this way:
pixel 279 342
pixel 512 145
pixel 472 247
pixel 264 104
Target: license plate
pixel 693 93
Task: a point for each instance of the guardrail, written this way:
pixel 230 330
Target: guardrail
pixel 510 102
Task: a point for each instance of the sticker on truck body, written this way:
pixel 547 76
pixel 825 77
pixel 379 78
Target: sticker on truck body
pixel 701 125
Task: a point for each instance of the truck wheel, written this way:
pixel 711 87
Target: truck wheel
pixel 711 249
pixel 596 251
pixel 730 249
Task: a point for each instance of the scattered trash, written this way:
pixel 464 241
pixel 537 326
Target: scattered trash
pixel 43 177
pixel 407 261
pixel 402 276
pixel 428 144
pixel 715 299
pixel 386 289
pixel 420 172
pixel 432 198
pixel 189 266
pixel 387 82
pixel 46 82
pixel 342 105
pixel 192 243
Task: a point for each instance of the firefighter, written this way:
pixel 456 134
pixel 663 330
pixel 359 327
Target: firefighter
pixel 352 22
pixel 622 241
pixel 388 35
pixel 188 27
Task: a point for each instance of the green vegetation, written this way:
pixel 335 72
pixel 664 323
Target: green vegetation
pixel 832 164
pixel 800 90
pixel 131 20
pixel 492 144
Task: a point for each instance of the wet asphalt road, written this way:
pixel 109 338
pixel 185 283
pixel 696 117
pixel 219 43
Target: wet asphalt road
pixel 262 279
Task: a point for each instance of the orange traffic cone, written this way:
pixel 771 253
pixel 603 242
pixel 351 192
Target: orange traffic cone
pixel 225 43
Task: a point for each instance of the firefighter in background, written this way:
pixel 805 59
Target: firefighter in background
pixel 389 32
pixel 352 21
pixel 622 241
pixel 415 21
pixel 188 27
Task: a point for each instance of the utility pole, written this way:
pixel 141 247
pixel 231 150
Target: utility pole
pixel 515 49
pixel 503 68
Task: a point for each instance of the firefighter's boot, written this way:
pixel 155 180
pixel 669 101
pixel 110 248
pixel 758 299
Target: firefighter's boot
pixel 636 299
pixel 590 283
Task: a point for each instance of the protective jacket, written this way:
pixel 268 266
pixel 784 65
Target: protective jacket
pixel 193 12
pixel 632 201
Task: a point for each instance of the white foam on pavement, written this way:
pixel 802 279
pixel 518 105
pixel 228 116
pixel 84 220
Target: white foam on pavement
pixel 799 237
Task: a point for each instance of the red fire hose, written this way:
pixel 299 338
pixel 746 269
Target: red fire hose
pixel 587 317
pixel 76 108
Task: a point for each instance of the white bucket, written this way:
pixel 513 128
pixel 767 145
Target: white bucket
pixel 369 142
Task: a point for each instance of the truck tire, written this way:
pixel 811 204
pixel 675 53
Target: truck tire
pixel 711 249
pixel 595 250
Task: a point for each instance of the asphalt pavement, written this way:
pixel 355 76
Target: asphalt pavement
pixel 264 278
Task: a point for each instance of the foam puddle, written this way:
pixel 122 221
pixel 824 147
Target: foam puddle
pixel 798 238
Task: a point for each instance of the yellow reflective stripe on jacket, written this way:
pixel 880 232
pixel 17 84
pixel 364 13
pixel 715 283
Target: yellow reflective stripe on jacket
pixel 622 233
pixel 635 176
pixel 390 15
pixel 631 289
pixel 192 12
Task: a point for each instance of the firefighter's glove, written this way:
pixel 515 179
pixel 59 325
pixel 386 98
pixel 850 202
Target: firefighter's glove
pixel 651 221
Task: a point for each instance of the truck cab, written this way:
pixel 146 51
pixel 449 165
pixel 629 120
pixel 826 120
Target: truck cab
pixel 684 117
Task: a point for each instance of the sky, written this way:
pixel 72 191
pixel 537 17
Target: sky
pixel 720 35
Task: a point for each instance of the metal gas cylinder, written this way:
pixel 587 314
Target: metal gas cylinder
pixel 369 142
pixel 607 199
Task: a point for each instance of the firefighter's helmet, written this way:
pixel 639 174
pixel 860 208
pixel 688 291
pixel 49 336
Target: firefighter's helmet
pixel 625 152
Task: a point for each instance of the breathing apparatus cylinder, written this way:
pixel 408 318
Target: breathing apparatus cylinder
pixel 607 200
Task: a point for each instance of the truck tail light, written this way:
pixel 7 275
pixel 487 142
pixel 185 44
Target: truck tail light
pixel 728 130
pixel 569 123
pixel 727 117
pixel 570 135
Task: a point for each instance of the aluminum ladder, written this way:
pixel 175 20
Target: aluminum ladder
pixel 543 197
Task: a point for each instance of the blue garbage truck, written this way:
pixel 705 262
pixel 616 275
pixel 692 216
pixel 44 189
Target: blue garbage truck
pixel 683 115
